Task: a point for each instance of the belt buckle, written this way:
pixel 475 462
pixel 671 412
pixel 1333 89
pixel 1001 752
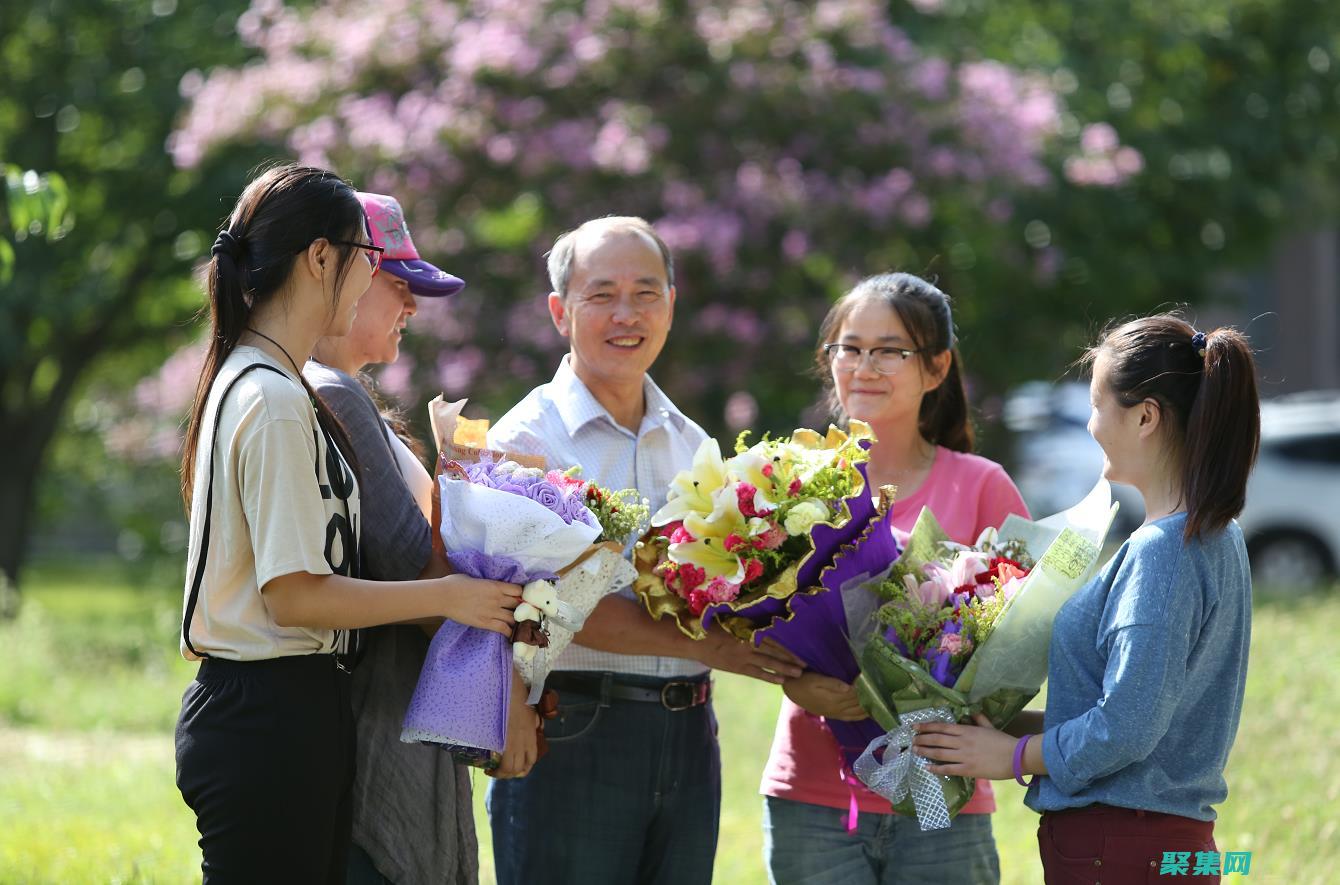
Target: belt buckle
pixel 687 687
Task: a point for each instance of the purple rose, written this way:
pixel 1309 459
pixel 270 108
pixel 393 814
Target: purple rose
pixel 575 510
pixel 482 474
pixel 548 495
pixel 512 487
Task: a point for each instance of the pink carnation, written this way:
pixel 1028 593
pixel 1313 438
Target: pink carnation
pixel 721 590
pixel 691 577
pixel 744 494
pixel 563 481
pixel 954 643
pixel 770 539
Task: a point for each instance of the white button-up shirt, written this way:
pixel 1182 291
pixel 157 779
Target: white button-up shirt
pixel 563 421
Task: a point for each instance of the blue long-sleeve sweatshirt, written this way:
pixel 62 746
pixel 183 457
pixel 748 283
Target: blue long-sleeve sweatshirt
pixel 1146 673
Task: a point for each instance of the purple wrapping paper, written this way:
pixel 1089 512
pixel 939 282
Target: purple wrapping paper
pixel 467 670
pixel 496 568
pixel 456 700
pixel 817 629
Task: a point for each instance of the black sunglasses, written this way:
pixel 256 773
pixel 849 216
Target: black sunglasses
pixel 374 252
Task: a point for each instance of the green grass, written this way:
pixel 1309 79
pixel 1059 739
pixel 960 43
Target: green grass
pixel 91 652
pixel 91 682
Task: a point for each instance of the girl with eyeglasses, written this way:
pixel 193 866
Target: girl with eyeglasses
pixel 273 595
pixel 887 354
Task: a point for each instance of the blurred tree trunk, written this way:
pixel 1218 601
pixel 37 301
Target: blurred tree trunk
pixel 38 381
pixel 27 425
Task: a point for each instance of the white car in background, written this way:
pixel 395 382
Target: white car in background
pixel 1292 518
pixel 1291 521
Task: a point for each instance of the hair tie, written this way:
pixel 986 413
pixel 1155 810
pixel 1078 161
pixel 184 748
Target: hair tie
pixel 227 244
pixel 1198 343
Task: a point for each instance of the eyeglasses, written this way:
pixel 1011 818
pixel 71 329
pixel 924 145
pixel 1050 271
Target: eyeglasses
pixel 885 360
pixel 374 253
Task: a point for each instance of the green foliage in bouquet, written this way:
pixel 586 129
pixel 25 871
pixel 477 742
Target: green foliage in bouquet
pixel 890 685
pixel 622 515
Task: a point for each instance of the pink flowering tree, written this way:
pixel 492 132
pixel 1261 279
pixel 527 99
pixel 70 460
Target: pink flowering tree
pixel 783 149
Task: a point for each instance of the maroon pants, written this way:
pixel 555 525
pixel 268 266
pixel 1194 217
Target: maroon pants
pixel 1103 845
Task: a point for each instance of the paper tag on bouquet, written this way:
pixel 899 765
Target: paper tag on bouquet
pixel 1067 547
pixel 465 439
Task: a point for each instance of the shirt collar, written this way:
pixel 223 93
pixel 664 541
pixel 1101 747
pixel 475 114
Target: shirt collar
pixel 578 407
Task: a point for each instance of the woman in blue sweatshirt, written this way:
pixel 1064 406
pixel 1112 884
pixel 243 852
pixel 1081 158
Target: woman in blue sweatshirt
pixel 1148 661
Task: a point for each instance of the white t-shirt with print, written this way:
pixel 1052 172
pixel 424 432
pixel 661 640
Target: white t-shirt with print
pixel 283 502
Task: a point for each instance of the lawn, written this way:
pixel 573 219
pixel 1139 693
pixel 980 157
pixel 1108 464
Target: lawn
pixel 91 683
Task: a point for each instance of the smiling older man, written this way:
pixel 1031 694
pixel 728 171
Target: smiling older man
pixel 630 790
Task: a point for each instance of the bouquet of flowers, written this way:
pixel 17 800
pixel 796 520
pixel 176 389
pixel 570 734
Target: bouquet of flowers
pixel 738 538
pixel 938 612
pixel 946 631
pixel 499 519
pixel 551 614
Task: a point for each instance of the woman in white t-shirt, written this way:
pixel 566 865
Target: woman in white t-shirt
pixel 265 736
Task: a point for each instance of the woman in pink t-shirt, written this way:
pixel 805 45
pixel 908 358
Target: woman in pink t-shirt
pixel 888 353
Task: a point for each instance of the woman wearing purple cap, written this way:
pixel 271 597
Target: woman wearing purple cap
pixel 412 816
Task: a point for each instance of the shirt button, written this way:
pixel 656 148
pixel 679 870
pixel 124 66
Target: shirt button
pixel 1097 863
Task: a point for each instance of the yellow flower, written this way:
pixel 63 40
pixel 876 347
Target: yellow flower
pixel 804 516
pixel 691 490
pixel 723 519
pixel 836 437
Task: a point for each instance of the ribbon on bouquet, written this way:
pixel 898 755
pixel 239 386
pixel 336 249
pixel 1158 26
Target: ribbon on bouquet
pixel 568 616
pixel 906 772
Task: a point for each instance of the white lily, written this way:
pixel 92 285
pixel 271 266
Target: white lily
pixel 691 490
pixel 707 550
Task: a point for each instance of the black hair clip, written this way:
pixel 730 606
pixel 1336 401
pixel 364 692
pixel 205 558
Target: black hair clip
pixel 227 244
pixel 1198 343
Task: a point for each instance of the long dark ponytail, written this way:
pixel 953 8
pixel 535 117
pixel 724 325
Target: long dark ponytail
pixel 925 312
pixel 1205 384
pixel 277 217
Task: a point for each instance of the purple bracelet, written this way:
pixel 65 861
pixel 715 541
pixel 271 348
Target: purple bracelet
pixel 1019 761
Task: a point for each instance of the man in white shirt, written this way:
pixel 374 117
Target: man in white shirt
pixel 630 790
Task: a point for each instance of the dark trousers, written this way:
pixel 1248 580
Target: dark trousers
pixel 630 792
pixel 265 759
pixel 1116 846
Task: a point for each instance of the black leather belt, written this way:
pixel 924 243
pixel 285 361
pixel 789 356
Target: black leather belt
pixel 674 695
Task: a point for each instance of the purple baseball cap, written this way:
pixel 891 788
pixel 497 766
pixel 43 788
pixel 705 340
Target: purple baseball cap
pixel 386 225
